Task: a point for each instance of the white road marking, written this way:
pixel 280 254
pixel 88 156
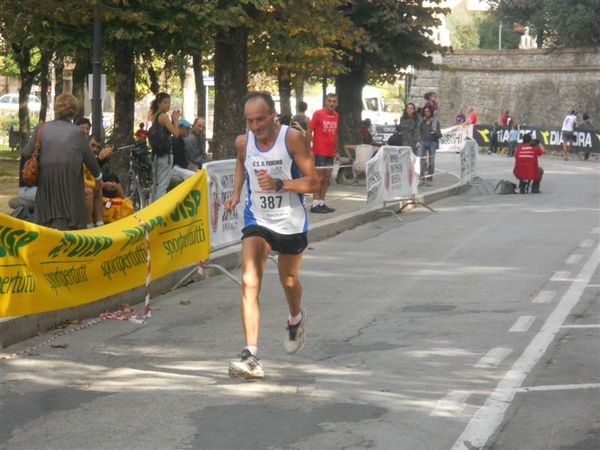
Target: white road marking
pixel 561 275
pixel 489 417
pixel 451 405
pixel 574 258
pixel 581 326
pixel 522 324
pixel 593 286
pixel 544 297
pixel 493 358
pixel 559 387
pixel 595 230
pixel 586 243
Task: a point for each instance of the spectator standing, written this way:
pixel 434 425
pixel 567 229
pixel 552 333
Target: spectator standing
pixel 162 158
pixel 195 143
pixel 323 130
pixel 60 197
pixel 471 116
pixel 430 134
pixel 460 117
pixel 431 102
pixel 568 135
pixel 505 119
pixel 526 165
pixel 300 120
pixel 366 136
pixel 586 125
pixel 409 127
pixel 141 134
pixel 493 139
pixel 181 166
pixel 513 140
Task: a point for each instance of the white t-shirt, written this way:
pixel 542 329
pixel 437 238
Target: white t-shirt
pixel 569 122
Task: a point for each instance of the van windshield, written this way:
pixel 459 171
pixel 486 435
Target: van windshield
pixel 372 104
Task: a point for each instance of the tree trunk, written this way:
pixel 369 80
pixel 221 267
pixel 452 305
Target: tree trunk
pixel 44 83
pixel 349 90
pixel 59 70
pixel 285 91
pixel 231 84
pixel 299 88
pixel 124 109
pixel 323 90
pixel 199 82
pixel 83 67
pixel 23 58
pixel 154 84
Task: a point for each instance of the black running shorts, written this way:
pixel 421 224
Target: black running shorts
pixel 287 244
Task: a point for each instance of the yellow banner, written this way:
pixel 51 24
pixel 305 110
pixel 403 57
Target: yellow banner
pixel 42 269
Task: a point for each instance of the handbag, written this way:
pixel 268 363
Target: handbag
pixel 31 168
pixel 159 138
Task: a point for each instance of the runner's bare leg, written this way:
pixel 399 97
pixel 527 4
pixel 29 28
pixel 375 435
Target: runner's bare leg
pixel 289 266
pixel 255 251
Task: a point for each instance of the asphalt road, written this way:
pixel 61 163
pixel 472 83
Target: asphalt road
pixel 476 326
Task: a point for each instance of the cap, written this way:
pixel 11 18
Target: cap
pixel 184 123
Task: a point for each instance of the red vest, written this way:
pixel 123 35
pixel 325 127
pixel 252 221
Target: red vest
pixel 526 162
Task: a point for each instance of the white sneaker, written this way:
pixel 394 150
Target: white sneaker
pixel 296 336
pixel 248 367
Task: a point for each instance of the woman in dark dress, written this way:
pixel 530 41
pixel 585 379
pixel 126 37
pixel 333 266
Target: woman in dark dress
pixel 409 127
pixel 60 197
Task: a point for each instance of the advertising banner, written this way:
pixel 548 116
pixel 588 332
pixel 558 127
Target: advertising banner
pixel 468 161
pixel 550 138
pixel 225 226
pixel 453 138
pixel 43 269
pixel 391 175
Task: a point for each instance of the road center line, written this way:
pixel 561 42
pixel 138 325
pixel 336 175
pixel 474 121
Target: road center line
pixel 451 405
pixel 582 326
pixel 493 358
pixel 489 417
pixel 561 275
pixel 522 324
pixel 574 258
pixel 544 297
pixel 586 243
pixel 559 387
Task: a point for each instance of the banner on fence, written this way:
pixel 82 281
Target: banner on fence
pixel 391 175
pixel 453 138
pixel 468 161
pixel 225 226
pixel 42 269
pixel 551 138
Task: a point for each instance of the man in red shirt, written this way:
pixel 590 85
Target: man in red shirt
pixel 323 131
pixel 526 165
pixel 471 117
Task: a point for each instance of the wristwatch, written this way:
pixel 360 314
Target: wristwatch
pixel 278 184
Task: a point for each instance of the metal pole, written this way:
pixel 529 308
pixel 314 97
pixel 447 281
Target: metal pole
pixel 96 72
pixel 500 37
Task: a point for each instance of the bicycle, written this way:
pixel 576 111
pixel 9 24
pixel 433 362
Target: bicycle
pixel 138 185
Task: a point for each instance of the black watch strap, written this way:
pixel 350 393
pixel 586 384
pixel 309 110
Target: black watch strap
pixel 278 184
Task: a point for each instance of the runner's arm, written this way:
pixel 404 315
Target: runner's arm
pixel 238 177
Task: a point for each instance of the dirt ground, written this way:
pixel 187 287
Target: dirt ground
pixel 9 178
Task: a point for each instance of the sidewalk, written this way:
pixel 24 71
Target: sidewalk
pixel 348 200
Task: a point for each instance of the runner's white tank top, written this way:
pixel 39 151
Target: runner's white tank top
pixel 281 212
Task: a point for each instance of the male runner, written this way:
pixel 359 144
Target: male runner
pixel 323 130
pixel 277 167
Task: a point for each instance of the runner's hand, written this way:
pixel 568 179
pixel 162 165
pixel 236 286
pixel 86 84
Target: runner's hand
pixel 231 203
pixel 337 157
pixel 265 182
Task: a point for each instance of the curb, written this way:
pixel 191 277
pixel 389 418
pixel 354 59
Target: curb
pixel 16 329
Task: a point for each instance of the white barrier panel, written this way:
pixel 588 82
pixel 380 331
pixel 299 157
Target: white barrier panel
pixel 453 138
pixel 391 175
pixel 225 226
pixel 468 161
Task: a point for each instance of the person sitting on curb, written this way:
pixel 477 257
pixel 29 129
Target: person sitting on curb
pixel 182 167
pixel 115 204
pixel 526 168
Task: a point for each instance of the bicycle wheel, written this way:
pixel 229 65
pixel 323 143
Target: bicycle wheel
pixel 135 194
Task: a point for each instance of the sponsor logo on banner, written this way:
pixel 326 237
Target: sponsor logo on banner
pixel 225 226
pixel 391 175
pixel 453 138
pixel 42 269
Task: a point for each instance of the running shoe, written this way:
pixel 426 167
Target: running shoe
pixel 317 209
pixel 296 336
pixel 327 209
pixel 248 367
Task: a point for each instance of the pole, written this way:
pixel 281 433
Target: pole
pixel 324 89
pixel 500 37
pixel 96 72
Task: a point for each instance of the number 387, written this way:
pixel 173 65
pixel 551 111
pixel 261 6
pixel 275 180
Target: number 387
pixel 270 201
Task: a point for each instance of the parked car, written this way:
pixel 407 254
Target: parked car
pixel 9 103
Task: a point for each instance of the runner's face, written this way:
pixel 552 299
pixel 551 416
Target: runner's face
pixel 331 103
pixel 259 120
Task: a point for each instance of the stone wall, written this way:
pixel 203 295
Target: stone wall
pixel 537 87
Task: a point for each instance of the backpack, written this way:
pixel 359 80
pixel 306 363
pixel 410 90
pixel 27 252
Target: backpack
pixel 505 187
pixel 395 139
pixel 159 138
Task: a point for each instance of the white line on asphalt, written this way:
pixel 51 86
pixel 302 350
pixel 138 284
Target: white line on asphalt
pixel 582 326
pixel 574 258
pixel 451 405
pixel 593 286
pixel 595 230
pixel 559 387
pixel 544 297
pixel 489 417
pixel 561 275
pixel 522 324
pixel 493 358
pixel 586 243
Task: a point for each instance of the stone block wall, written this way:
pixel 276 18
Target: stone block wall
pixel 537 87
